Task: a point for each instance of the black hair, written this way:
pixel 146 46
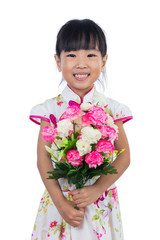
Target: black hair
pixel 80 34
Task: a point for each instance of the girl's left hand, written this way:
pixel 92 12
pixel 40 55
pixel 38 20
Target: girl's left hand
pixel 85 196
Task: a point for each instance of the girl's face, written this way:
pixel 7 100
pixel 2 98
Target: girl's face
pixel 81 68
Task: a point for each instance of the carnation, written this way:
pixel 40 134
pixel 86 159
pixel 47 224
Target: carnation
pixel 93 159
pixel 83 147
pixel 72 112
pixel 85 106
pixel 104 146
pixel 109 132
pixel 96 116
pixel 110 120
pixel 74 158
pixel 100 99
pixel 90 134
pixel 64 127
pixel 49 133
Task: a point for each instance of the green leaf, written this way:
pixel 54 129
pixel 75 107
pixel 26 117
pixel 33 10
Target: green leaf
pixel 110 193
pixel 95 217
pixel 49 149
pixel 58 138
pixel 65 140
pixel 116 230
pixel 101 212
pixel 71 171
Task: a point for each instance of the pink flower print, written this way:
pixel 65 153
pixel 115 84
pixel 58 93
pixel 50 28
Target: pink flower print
pixel 109 132
pixel 53 224
pixel 99 235
pixel 114 194
pixel 48 235
pixel 93 159
pixel 59 103
pixel 104 230
pixel 49 133
pixel 101 198
pixel 74 158
pixel 104 146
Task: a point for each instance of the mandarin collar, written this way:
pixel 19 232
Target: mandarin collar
pixel 69 94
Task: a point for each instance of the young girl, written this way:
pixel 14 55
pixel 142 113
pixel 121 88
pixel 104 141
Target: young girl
pixel 81 55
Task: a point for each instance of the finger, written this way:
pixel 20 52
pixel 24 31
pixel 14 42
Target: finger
pixel 82 209
pixel 80 213
pixel 75 191
pixel 76 197
pixel 75 223
pixel 78 201
pixel 82 205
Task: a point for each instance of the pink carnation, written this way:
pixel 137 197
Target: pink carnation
pixel 96 116
pixel 49 133
pixel 72 112
pixel 109 132
pixel 104 146
pixel 93 159
pixel 74 158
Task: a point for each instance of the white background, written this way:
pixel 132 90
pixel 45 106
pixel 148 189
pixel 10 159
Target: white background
pixel 29 76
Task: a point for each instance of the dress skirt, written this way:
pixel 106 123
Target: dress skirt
pixel 102 220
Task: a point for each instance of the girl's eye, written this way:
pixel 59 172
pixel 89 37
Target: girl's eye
pixel 71 55
pixel 91 55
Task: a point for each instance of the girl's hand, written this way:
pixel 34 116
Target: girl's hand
pixel 70 214
pixel 85 196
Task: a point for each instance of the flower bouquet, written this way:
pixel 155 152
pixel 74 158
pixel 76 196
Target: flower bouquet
pixel 82 143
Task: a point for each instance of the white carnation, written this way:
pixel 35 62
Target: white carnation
pixel 115 127
pixel 85 106
pixel 110 121
pixel 63 127
pixel 83 147
pixel 90 134
pixel 100 99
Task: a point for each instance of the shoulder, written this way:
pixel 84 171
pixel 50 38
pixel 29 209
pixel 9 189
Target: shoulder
pixel 119 111
pixel 43 110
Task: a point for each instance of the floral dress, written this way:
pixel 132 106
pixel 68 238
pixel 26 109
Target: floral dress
pixel 102 220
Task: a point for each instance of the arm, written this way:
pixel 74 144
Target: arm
pixel 44 165
pixel 64 206
pixel 88 195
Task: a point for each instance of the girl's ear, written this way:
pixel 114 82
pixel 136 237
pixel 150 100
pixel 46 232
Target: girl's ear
pixel 58 62
pixel 104 60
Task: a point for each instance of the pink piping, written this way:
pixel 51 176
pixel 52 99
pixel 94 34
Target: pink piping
pixel 125 119
pixel 31 117
pixel 80 96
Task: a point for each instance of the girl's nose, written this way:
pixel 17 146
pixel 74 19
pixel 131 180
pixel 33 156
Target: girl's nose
pixel 81 62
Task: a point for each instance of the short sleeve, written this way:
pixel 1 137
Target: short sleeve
pixel 120 111
pixel 39 112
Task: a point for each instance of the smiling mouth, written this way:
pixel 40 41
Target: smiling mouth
pixel 81 76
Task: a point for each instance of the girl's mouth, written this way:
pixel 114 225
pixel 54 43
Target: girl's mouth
pixel 81 76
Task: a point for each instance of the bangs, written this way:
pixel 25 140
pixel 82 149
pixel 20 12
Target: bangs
pixel 80 34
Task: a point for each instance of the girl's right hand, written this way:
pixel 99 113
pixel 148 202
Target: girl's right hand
pixel 71 215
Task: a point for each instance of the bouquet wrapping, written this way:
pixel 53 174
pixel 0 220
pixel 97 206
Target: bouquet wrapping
pixel 82 143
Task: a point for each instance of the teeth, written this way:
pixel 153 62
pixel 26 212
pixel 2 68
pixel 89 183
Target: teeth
pixel 81 76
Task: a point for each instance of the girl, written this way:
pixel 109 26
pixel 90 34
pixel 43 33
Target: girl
pixel 81 55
